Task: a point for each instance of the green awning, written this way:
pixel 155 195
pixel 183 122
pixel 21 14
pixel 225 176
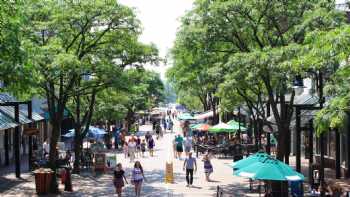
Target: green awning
pixel 222 128
pixel 236 125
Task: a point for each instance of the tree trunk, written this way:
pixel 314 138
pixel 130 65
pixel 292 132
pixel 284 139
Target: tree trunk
pixel 56 128
pixel 282 140
pixel 78 147
pixel 129 120
pixel 214 104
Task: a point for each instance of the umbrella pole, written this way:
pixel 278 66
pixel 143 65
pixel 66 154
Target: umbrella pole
pixel 259 189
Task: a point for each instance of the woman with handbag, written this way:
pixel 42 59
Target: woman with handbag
pixel 119 178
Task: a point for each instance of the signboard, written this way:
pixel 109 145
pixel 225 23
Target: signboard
pixel 30 131
pixel 100 161
pixel 111 160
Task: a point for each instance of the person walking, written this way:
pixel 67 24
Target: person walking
pixel 188 145
pixel 125 150
pixel 174 147
pixel 158 130
pixel 208 167
pixel 137 178
pixel 165 124
pixel 190 165
pixel 132 149
pixel 171 125
pixel 147 136
pixel 179 146
pixel 119 178
pixel 138 146
pixel 143 147
pixel 151 145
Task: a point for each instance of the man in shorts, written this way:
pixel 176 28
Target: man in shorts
pixel 179 145
pixel 188 145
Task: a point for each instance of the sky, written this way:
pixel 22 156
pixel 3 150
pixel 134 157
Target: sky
pixel 160 20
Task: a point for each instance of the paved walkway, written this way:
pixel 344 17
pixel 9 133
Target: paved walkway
pixel 101 185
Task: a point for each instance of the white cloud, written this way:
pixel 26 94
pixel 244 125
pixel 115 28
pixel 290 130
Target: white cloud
pixel 160 20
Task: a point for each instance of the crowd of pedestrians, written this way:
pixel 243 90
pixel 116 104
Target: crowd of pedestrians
pixel 136 147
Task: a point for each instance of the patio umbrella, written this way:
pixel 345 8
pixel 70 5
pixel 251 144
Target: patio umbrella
pixel 236 124
pixel 222 128
pixel 186 116
pixel 200 127
pixel 270 169
pixel 204 127
pixel 249 160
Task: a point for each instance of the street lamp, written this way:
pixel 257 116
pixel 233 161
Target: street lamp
pixel 298 85
pixel 298 108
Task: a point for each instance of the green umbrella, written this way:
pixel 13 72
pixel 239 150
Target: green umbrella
pixel 270 169
pixel 249 160
pixel 222 128
pixel 186 116
pixel 235 124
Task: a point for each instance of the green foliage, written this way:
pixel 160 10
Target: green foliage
pixel 141 90
pixel 249 52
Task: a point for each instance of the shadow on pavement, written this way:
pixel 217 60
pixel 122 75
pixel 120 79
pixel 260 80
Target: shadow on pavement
pixel 8 184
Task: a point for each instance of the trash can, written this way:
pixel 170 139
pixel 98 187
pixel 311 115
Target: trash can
pixel 43 177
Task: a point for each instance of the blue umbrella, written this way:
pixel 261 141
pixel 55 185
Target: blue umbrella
pixel 93 132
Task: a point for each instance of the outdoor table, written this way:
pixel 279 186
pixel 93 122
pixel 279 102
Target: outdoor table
pixel 43 177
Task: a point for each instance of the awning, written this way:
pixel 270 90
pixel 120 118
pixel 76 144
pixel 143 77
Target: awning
pixel 303 99
pixel 6 122
pixel 10 111
pixel 23 109
pixel 204 115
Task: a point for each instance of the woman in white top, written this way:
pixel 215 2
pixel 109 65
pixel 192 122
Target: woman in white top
pixel 132 149
pixel 137 178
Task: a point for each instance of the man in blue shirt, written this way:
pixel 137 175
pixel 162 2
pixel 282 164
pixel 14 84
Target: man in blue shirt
pixel 190 165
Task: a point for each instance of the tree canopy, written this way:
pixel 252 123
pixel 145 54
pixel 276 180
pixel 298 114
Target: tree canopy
pixel 249 53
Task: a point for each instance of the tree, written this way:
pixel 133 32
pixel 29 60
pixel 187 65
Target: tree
pixel 194 73
pixel 262 38
pixel 330 54
pixel 12 73
pixel 145 91
pixel 68 40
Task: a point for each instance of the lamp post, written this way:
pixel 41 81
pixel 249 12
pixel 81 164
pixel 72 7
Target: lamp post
pixel 298 84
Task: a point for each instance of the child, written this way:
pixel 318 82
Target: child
pixel 208 167
pixel 125 149
pixel 119 178
pixel 143 147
